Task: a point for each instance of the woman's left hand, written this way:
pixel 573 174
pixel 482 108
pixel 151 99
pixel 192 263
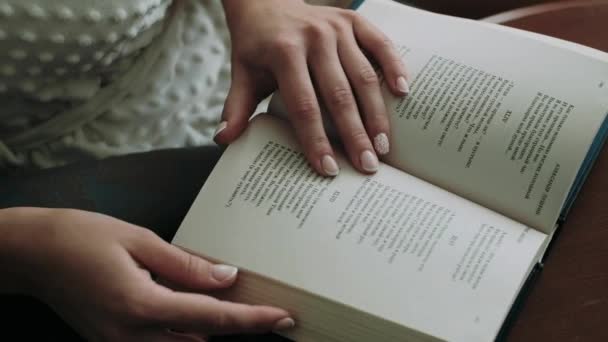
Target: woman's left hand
pixel 303 50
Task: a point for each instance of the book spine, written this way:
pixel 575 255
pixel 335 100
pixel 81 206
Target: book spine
pixel 593 153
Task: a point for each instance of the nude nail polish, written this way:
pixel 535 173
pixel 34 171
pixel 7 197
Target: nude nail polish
pixel 222 126
pixel 402 85
pixel 369 161
pixel 284 324
pixel 223 272
pixel 329 165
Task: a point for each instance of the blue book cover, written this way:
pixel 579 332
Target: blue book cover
pixel 586 166
pixel 356 3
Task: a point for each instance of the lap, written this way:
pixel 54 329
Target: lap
pixel 152 190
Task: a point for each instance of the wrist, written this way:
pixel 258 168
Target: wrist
pixel 21 230
pixel 235 8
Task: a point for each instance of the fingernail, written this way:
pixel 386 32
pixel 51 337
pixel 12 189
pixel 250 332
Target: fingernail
pixel 222 273
pixel 381 144
pixel 222 126
pixel 369 161
pixel 402 85
pixel 329 165
pixel 284 324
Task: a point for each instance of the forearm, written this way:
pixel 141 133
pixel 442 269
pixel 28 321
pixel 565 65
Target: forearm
pixel 19 234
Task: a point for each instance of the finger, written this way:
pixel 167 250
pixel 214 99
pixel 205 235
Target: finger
pixel 301 102
pixel 366 84
pixel 246 92
pixel 382 49
pixel 338 97
pixel 178 266
pixel 203 314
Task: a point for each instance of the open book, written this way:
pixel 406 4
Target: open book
pixel 488 153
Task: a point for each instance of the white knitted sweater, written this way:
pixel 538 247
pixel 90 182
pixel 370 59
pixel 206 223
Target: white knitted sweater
pixel 95 78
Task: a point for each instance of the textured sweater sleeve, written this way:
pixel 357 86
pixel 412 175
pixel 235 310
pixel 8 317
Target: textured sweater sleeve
pixel 90 79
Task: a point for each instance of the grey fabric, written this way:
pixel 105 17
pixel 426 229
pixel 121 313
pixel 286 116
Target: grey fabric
pixel 153 190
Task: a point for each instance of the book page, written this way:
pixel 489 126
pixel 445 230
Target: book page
pixel 388 244
pixel 494 115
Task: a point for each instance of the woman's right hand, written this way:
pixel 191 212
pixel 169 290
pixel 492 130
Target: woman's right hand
pixel 95 271
pixel 315 56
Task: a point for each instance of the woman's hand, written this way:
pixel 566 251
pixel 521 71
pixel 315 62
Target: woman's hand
pixel 303 50
pixel 95 271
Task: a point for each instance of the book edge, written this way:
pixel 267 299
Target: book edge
pixel 377 322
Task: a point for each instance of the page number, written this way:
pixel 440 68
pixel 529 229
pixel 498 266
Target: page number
pixel 453 240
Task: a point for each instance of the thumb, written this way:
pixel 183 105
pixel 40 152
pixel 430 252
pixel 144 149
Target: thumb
pixel 246 92
pixel 179 267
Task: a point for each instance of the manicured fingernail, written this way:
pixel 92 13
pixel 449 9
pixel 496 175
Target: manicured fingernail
pixel 284 324
pixel 381 143
pixel 329 165
pixel 369 161
pixel 402 85
pixel 222 126
pixel 223 272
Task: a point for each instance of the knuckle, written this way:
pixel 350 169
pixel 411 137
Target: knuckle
pixel 317 143
pixel 341 25
pixel 285 46
pixel 395 58
pixel 340 28
pixel 220 321
pixel 137 307
pixel 349 14
pixel 305 109
pixel 368 76
pixel 145 236
pixel 379 119
pixel 192 267
pixel 383 42
pixel 341 96
pixel 318 32
pixel 358 137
